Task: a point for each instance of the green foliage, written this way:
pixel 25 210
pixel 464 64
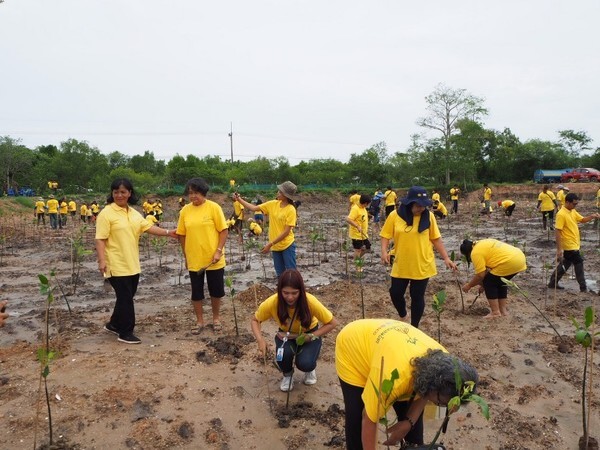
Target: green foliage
pixel 583 333
pixel 439 300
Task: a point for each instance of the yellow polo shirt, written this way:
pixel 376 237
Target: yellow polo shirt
pixel 52 205
pixel 502 259
pixel 547 198
pixel 201 226
pixel 436 197
pixel 40 207
pixel 63 208
pixel 454 193
pixel 121 228
pixel 566 222
pixel 560 196
pixel 487 194
pixel 361 217
pixel 442 208
pixel 414 251
pixel 238 210
pixel 268 310
pixel 279 218
pixel 360 348
pixel 354 199
pixel 255 228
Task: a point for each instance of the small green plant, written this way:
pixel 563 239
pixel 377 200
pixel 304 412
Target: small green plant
pixel 584 335
pixel 45 355
pixel 158 245
pixel 229 284
pixel 439 300
pixel 315 237
pixel 251 244
pixel 383 390
pixel 78 253
pixel 359 265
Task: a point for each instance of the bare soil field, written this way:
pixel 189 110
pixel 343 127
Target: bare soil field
pixel 213 391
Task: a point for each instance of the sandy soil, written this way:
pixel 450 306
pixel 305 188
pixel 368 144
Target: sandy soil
pixel 212 391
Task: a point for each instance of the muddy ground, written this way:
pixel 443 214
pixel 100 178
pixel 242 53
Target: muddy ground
pixel 212 391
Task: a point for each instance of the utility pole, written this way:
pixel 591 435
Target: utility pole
pixel 231 140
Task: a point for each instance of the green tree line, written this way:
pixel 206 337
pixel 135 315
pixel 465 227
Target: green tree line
pixel 463 152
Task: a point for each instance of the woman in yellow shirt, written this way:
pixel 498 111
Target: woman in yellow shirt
pixel 414 230
pixel 297 313
pixel 118 231
pixel 282 220
pixel 202 234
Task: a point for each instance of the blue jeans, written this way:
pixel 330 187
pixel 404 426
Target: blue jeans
pixel 284 259
pixel 54 220
pixel 306 355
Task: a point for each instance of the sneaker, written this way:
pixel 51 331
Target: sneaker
pixel 552 286
pixel 310 377
pixel 287 383
pixel 130 339
pixel 111 328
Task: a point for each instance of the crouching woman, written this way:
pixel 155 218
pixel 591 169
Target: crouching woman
pixel 298 315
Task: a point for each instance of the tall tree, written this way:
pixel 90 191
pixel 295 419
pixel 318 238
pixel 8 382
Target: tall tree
pixel 15 162
pixel 575 141
pixel 446 106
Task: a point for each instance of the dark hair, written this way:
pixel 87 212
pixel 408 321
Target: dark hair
pixel 291 278
pixel 466 248
pixel 364 198
pixel 434 371
pixel 116 184
pixel 571 197
pixel 197 185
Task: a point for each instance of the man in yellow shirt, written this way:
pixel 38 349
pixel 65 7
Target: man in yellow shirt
pixel 492 261
pixel 52 207
pixel 391 199
pixel 73 210
pixel 508 206
pixel 487 199
pixel 63 211
pixel 439 209
pixel 568 242
pixel 560 195
pixel 546 204
pixel 40 211
pixel 454 193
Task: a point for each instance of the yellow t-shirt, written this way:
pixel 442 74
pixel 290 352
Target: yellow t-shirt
pixel 268 310
pixel 359 349
pixel 507 203
pixel 436 197
pixel 63 208
pixel 40 207
pixel 361 217
pixel 487 194
pixel 354 199
pixel 414 252
pixel 52 205
pixel 560 196
pixel 454 193
pixel 83 210
pixel 566 222
pixel 95 208
pixel 201 226
pixel 152 219
pixel 279 218
pixel 547 198
pixel 390 198
pixel 72 206
pixel 502 259
pixel 122 228
pixel 255 228
pixel 238 210
pixel 442 208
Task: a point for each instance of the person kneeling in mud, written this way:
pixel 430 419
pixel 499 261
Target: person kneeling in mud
pixel 298 314
pixel 493 260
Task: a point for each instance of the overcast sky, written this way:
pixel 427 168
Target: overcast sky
pixel 302 79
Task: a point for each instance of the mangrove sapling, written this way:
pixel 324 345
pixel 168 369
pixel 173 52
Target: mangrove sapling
pixel 563 346
pixel 78 253
pixel 251 244
pixel 158 244
pixel 584 335
pixel 229 284
pixel 45 355
pixel 439 300
pixel 315 236
pixel 383 388
pixel 359 264
pixel 324 240
pixel 465 395
pixel 458 283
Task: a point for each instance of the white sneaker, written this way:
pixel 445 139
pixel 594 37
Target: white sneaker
pixel 310 377
pixel 287 383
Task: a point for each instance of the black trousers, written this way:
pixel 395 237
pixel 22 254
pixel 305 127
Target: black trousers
pixel 570 258
pixel 353 406
pixel 123 316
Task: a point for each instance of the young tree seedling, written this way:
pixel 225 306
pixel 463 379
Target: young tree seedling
pixel 584 335
pixel 458 283
pixel 158 244
pixel 78 253
pixel 439 300
pixel 229 284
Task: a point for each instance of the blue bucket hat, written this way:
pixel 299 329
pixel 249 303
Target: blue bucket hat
pixel 417 194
